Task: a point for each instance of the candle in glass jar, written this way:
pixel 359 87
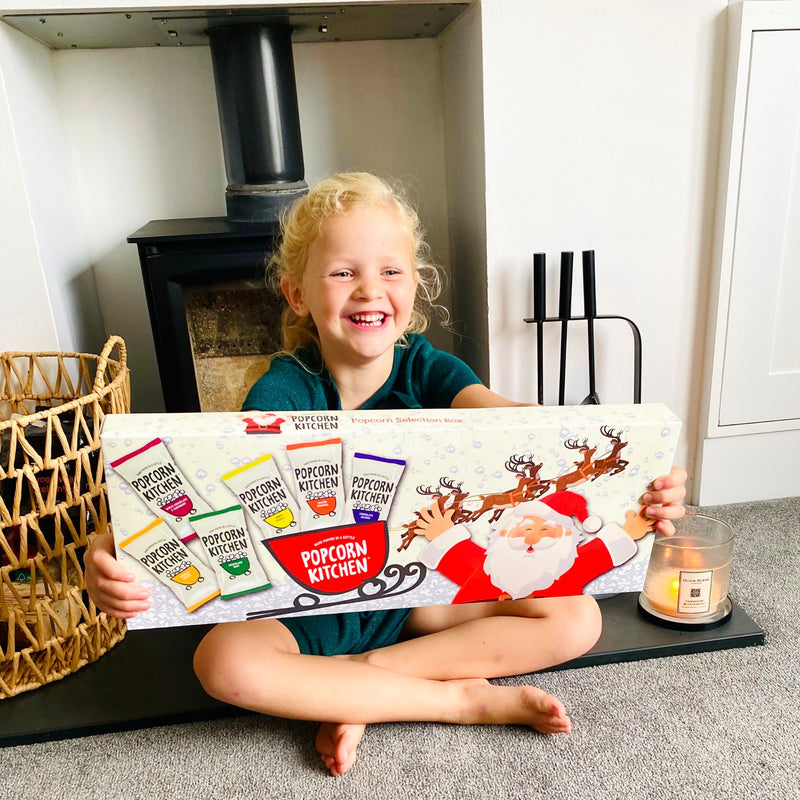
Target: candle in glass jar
pixel 686 581
pixel 688 575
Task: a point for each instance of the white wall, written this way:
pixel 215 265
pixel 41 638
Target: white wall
pixel 602 125
pixel 145 144
pixel 462 81
pixel 144 137
pixel 20 268
pixel 49 296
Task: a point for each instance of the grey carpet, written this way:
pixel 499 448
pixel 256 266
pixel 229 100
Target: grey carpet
pixel 711 725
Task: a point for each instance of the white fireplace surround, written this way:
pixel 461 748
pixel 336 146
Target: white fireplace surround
pixel 524 126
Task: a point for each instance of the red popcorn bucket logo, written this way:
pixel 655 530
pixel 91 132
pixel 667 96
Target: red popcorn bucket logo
pixel 179 507
pixel 333 560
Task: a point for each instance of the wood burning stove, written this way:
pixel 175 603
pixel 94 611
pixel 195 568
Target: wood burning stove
pixel 213 319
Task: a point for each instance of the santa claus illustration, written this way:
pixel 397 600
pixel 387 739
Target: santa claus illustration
pixel 538 548
pixel 263 423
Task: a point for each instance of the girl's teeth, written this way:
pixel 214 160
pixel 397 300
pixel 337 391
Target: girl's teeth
pixel 373 320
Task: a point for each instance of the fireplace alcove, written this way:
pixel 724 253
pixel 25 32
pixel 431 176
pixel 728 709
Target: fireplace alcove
pixel 213 320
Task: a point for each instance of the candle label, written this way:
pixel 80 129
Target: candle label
pixel 694 592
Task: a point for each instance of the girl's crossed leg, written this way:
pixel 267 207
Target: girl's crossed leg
pixel 437 673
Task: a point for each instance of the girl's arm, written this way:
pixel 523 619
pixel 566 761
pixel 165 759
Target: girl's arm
pixel 479 396
pixel 663 499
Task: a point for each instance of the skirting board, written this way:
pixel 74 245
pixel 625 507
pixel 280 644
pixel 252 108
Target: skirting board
pixel 720 478
pixel 147 679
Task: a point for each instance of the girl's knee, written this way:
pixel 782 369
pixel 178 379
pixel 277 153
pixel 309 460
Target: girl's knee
pixel 589 621
pixel 213 664
pixel 580 620
pixel 233 657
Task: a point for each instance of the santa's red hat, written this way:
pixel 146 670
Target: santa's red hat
pixel 569 504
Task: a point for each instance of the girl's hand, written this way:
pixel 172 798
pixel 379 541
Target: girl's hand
pixel 664 500
pixel 111 587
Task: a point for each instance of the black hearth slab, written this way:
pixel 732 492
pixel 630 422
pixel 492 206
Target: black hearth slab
pixel 147 679
pixel 629 636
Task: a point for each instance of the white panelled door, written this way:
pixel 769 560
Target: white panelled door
pixel 761 367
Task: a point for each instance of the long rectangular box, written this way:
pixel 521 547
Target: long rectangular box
pixel 252 515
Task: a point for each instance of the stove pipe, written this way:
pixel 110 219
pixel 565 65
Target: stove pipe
pixel 259 120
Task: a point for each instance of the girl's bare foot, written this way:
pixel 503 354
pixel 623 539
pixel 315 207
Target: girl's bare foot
pixel 336 744
pixel 547 714
pixel 516 705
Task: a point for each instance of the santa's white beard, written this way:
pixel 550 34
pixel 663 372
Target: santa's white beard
pixel 518 572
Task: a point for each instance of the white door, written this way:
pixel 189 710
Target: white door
pixel 761 366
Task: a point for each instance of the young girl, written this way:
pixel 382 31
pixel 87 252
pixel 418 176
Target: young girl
pixel 353 270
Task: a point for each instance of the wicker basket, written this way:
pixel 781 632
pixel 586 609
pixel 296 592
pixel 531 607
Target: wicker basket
pixel 53 497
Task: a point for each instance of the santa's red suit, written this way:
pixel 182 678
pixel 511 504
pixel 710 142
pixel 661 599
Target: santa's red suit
pixel 457 557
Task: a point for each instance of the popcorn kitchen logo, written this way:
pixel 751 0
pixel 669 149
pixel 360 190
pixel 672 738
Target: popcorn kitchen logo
pixel 161 480
pixel 165 558
pixel 331 562
pixel 315 422
pixel 265 497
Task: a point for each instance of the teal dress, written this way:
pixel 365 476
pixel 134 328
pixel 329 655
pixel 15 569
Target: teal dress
pixel 421 377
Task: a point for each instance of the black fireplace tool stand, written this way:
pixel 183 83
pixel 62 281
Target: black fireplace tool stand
pixel 637 349
pixel 565 318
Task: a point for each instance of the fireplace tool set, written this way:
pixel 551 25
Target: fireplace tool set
pixel 564 319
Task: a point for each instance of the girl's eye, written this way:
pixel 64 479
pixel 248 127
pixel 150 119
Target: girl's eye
pixel 342 273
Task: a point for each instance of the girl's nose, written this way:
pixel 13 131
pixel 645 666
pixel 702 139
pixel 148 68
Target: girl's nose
pixel 368 287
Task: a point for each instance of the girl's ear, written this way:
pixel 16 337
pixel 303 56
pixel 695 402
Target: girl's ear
pixel 294 296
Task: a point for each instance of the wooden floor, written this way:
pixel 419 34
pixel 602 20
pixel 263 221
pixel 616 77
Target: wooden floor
pixel 147 679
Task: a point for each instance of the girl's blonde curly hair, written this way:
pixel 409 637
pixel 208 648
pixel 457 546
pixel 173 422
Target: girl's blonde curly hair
pixel 302 223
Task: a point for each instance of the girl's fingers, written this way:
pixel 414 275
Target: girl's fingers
pixel 121 600
pixel 112 586
pixel 107 566
pixel 676 478
pixel 109 587
pixel 671 511
pixel 663 501
pixel 664 497
pixel 668 489
pixel 123 610
pixel 665 526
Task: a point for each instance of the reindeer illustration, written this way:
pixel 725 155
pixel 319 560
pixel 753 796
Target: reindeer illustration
pixel 583 469
pixel 529 481
pixel 611 463
pixel 454 494
pixel 529 486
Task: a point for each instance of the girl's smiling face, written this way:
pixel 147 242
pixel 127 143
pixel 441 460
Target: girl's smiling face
pixel 358 286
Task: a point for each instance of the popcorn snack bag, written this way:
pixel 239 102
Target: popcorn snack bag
pixel 319 512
